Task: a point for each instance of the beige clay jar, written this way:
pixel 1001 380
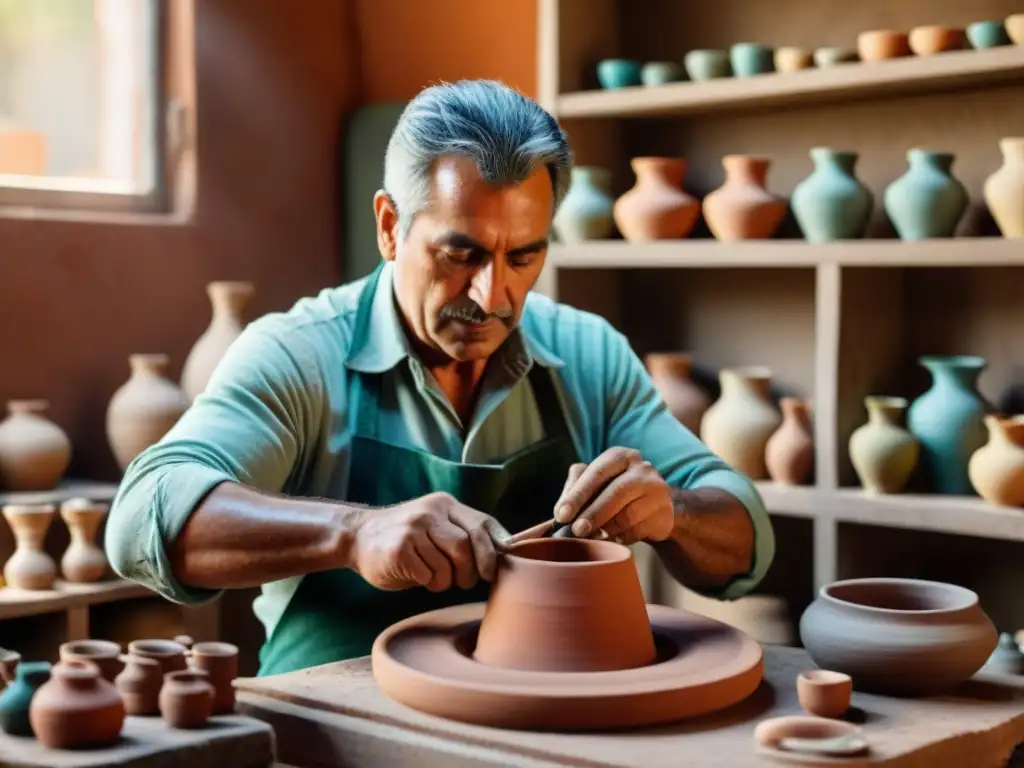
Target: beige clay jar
pixel 76 708
pixel 996 470
pixel 30 567
pixel 742 208
pixel 883 453
pixel 186 698
pixel 686 401
pixel 1004 189
pixel 656 208
pixel 34 452
pixel 792 59
pixel 789 453
pixel 83 561
pixel 737 427
pixel 229 300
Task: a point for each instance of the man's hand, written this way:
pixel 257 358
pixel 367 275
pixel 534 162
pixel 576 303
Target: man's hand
pixel 620 493
pixel 433 541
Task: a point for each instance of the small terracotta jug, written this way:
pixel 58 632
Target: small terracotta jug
pixel 139 684
pixel 737 427
pixel 30 567
pixel 83 560
pixel 186 698
pixel 34 452
pixel 105 654
pixel 229 300
pixel 220 662
pixel 1004 189
pixel 656 208
pixel 76 708
pixel 670 372
pixel 997 468
pixel 742 208
pixel 789 453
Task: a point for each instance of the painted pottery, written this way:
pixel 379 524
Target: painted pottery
pixel 660 72
pixel 1004 189
pixel 105 654
pixel 170 655
pixel 656 208
pixel 900 637
pixel 789 452
pixel 1007 658
pixel 586 211
pixel 9 661
pixel 823 692
pixel 1014 24
pixel 881 44
pixel 790 59
pixel 996 469
pixel 808 735
pixel 220 662
pixel 883 453
pixel 948 421
pixel 17 697
pixel 670 372
pixel 926 201
pixel 749 59
pixel 144 408
pixel 987 34
pixel 229 300
pixel 186 698
pixel 618 73
pixel 34 452
pixel 139 685
pixel 707 64
pixel 30 567
pixel 929 40
pixel 742 208
pixel 738 425
pixel 831 203
pixel 832 55
pixel 76 708
pixel 83 560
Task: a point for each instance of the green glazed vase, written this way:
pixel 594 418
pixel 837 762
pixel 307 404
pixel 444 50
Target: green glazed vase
pixel 586 211
pixel 926 201
pixel 15 700
pixel 831 203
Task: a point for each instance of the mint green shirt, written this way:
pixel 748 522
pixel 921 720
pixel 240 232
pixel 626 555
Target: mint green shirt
pixel 275 417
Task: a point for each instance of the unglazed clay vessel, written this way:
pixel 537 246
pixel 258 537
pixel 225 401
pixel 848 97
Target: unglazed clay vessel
pixel 707 64
pixel 17 697
pixel 789 452
pixel 1014 24
pixel 900 637
pixel 105 654
pixel 881 44
pixel 996 469
pixel 30 567
pixel 790 59
pixel 76 708
pixel 170 655
pixel 685 400
pixel 83 561
pixel 742 208
pixel 139 684
pixel 807 735
pixel 929 40
pixel 926 201
pixel 738 425
pixel 34 452
pixel 823 692
pixel 586 211
pixel 186 698
pixel 656 208
pixel 832 203
pixel 1004 189
pixel 229 300
pixel 883 453
pixel 220 662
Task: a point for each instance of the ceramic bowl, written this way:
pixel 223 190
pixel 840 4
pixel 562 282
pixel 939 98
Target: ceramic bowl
pixel 831 55
pixel 749 59
pixel 661 72
pixel 1015 27
pixel 929 40
pixel 823 692
pixel 618 73
pixel 790 59
pixel 707 64
pixel 987 34
pixel 881 44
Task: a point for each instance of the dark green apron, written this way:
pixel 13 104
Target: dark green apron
pixel 336 615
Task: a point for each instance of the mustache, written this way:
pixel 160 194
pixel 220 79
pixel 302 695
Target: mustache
pixel 468 311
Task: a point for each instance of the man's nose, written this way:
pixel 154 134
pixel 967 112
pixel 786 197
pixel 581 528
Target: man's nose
pixel 487 288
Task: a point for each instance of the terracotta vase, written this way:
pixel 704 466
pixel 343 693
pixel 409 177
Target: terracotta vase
pixel 685 400
pixel 139 684
pixel 144 408
pixel 229 300
pixel 883 453
pixel 220 662
pixel 105 654
pixel 586 211
pixel 595 620
pixel 737 427
pixel 76 708
pixel 656 208
pixel 83 560
pixel 927 201
pixel 789 452
pixel 898 637
pixel 186 698
pixel 742 208
pixel 171 656
pixel 996 469
pixel 34 452
pixel 30 567
pixel 1004 189
pixel 17 697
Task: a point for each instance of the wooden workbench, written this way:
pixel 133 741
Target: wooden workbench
pixel 335 715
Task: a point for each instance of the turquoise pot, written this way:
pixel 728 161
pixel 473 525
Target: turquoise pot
pixel 926 201
pixel 618 73
pixel 831 204
pixel 749 59
pixel 661 72
pixel 15 700
pixel 948 421
pixel 987 34
pixel 586 211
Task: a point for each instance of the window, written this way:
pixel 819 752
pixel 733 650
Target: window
pixel 82 104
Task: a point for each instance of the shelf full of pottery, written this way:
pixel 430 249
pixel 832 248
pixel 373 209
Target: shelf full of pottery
pixel 830 204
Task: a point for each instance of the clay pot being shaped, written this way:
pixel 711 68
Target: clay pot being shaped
pixel 789 452
pixel 171 656
pixel 899 637
pixel 1004 189
pixel 831 203
pixel 742 209
pixel 656 208
pixel 143 409
pixel 229 300
pixel 139 684
pixel 83 561
pixel 791 59
pixel 17 697
pixel 34 452
pixel 996 469
pixel 926 201
pixel 566 605
pixel 881 44
pixel 586 211
pixel 30 567
pixel 738 425
pixel 685 400
pixel 76 708
pixel 186 698
pixel 883 453
pixel 220 662
pixel 105 654
pixel 929 40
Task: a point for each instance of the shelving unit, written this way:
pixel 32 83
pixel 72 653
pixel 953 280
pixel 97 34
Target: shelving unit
pixel 835 322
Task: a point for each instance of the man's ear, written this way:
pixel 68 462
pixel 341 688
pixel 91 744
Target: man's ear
pixel 387 225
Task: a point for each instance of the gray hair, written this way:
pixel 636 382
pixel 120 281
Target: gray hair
pixel 506 134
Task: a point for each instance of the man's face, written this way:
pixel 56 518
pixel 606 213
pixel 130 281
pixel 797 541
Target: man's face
pixel 470 258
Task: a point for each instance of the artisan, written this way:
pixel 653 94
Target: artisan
pixel 364 456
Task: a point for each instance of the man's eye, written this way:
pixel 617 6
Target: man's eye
pixel 456 257
pixel 522 259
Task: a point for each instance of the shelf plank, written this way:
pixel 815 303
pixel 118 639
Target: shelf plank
pixel 884 79
pixel 15 603
pixel 66 489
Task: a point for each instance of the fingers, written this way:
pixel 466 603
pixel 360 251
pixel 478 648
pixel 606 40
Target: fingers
pixel 439 566
pixel 630 518
pixel 486 537
pixel 454 544
pixel 591 480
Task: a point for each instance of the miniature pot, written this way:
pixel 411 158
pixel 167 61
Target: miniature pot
pixel 17 697
pixel 823 692
pixel 707 64
pixel 831 55
pixel 139 684
pixel 660 72
pixel 670 372
pixel 220 662
pixel 76 708
pixel 996 469
pixel 186 699
pixel 657 207
pixel 83 561
pixel 749 59
pixel 929 40
pixel 881 44
pixel 170 655
pixel 987 34
pixel 790 59
pixel 34 452
pixel 789 452
pixel 105 654
pixel 742 208
pixel 30 567
pixel 618 73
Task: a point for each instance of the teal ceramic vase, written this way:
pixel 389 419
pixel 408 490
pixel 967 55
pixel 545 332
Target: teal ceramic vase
pixel 749 59
pixel 949 422
pixel 926 201
pixel 618 73
pixel 831 203
pixel 16 698
pixel 586 211
pixel 987 34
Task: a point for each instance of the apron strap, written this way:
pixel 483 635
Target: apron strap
pixel 552 415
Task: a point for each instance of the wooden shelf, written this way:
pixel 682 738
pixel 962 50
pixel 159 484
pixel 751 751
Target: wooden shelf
pixel 65 596
pixel 842 83
pixel 66 489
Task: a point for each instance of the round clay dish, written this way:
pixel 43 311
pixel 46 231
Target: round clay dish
pixel 426 662
pixel 807 739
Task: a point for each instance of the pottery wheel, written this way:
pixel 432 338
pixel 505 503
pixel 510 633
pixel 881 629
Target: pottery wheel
pixel 426 663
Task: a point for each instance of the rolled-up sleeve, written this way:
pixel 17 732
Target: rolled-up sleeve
pixel 249 426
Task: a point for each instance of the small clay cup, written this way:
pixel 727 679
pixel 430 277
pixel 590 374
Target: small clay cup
pixel 707 64
pixel 987 34
pixel 660 73
pixel 618 73
pixel 832 55
pixel 186 698
pixel 220 662
pixel 139 684
pixel 9 661
pixel 790 59
pixel 823 692
pixel 750 59
pixel 105 654
pixel 930 40
pixel 76 708
pixel 882 44
pixel 171 655
pixel 1014 24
